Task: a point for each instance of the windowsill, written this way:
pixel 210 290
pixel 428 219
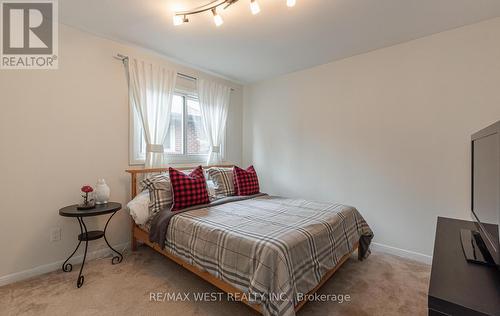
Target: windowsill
pixel 175 160
pixel 180 161
pixel 182 164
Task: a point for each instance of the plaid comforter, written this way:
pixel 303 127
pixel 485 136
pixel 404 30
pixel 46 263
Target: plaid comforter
pixel 270 248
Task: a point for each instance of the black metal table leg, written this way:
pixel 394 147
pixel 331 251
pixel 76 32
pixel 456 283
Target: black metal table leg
pixel 67 267
pixel 115 259
pixel 81 278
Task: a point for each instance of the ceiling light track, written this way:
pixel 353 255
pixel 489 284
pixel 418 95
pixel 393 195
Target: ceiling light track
pixel 182 17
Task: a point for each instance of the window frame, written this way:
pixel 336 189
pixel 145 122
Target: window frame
pixel 136 139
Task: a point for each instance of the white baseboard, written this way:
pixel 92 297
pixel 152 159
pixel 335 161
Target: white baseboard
pixel 100 253
pixel 401 253
pixel 26 274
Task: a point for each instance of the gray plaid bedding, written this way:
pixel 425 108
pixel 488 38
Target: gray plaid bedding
pixel 271 248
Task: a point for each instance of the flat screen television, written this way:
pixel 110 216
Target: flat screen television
pixel 482 245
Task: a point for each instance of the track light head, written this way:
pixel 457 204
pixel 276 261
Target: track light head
pixel 254 7
pixel 178 20
pixel 217 18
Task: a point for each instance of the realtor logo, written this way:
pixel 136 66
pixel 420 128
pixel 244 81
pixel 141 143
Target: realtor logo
pixel 29 34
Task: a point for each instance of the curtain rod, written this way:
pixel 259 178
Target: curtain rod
pixel 124 58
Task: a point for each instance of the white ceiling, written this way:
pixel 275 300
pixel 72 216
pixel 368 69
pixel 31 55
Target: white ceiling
pixel 279 40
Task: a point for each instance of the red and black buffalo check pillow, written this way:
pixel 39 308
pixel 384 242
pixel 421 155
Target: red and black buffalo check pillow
pixel 246 181
pixel 188 189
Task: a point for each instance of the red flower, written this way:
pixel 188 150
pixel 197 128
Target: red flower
pixel 87 189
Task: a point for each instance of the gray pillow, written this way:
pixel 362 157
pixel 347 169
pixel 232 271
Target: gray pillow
pixel 223 180
pixel 160 192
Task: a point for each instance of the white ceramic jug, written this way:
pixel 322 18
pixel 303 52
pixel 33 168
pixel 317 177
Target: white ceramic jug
pixel 101 192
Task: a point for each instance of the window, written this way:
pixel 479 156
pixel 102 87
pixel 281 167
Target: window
pixel 186 140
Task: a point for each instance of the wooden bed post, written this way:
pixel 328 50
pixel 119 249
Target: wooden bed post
pixel 133 192
pixel 133 241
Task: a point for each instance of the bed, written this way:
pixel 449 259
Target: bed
pixel 269 252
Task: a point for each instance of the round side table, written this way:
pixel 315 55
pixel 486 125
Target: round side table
pixel 102 209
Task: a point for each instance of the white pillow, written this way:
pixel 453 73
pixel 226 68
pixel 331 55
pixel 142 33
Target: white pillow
pixel 139 208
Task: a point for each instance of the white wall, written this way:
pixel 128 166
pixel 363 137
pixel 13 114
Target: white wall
pixel 61 129
pixel 387 131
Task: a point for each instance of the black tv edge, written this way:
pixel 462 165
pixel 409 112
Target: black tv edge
pixel 482 245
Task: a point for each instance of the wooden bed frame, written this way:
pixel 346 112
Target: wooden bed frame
pixel 139 235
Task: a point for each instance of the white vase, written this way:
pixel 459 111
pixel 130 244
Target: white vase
pixel 101 192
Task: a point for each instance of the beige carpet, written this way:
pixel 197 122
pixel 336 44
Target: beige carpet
pixel 381 285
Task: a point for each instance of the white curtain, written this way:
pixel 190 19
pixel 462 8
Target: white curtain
pixel 151 90
pixel 214 104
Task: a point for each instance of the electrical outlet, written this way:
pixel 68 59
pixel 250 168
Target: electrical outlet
pixel 55 234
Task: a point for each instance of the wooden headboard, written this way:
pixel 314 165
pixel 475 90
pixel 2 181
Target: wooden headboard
pixel 135 173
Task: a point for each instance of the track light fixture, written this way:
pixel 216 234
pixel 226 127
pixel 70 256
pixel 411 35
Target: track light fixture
pixel 182 17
